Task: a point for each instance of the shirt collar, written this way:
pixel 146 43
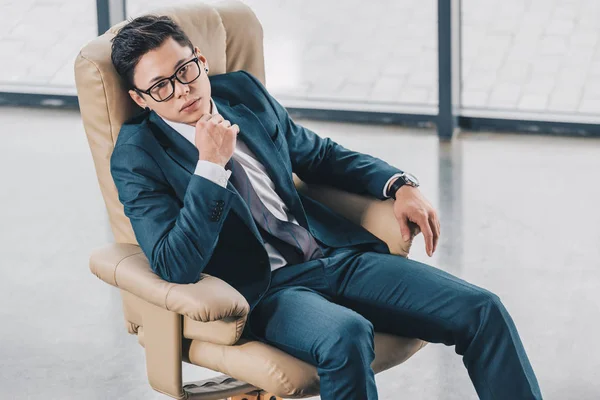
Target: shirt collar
pixel 188 131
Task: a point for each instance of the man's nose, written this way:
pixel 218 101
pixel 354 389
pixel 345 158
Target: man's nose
pixel 181 88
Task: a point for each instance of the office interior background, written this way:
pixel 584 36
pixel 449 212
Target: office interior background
pixel 494 105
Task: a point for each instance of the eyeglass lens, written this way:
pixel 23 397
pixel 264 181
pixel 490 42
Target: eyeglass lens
pixel 187 73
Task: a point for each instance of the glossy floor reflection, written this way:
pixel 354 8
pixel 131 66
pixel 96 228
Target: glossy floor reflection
pixel 519 216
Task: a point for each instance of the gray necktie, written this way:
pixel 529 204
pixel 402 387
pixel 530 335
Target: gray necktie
pixel 293 241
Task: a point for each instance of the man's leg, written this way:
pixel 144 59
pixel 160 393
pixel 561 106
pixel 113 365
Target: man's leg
pixel 307 325
pixel 412 299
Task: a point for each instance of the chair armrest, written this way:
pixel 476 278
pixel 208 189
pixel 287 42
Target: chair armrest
pixel 374 215
pixel 208 303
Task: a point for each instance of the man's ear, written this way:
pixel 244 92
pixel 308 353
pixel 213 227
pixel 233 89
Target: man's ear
pixel 201 57
pixel 139 100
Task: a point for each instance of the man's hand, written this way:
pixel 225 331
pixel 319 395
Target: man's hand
pixel 215 138
pixel 411 206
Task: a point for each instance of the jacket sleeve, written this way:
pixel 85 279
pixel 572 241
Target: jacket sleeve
pixel 178 239
pixel 321 160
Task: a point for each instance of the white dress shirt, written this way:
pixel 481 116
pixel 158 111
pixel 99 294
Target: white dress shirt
pixel 260 180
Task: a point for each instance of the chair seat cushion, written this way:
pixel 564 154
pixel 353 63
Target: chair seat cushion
pixel 277 372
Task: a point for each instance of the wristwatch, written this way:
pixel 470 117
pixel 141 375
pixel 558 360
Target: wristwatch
pixel 404 179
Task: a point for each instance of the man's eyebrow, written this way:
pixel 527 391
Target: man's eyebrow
pixel 158 78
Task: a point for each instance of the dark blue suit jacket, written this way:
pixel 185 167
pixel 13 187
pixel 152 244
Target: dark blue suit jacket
pixel 187 225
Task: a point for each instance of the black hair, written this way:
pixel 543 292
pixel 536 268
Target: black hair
pixel 140 36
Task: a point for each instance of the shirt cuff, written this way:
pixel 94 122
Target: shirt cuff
pixel 213 172
pixel 387 184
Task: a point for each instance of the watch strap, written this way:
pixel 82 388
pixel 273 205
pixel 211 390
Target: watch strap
pixel 397 184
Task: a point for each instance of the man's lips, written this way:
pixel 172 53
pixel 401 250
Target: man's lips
pixel 189 103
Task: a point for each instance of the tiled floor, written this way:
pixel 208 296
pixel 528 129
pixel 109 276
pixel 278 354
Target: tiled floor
pixel 519 216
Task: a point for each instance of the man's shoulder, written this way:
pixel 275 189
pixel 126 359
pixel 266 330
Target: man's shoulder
pixel 237 86
pixel 136 131
pixel 135 148
pixel 240 76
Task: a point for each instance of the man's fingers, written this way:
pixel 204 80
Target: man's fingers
pixel 437 220
pixel 435 228
pixel 216 119
pixel 414 228
pixel 231 133
pixel 404 228
pixel 423 222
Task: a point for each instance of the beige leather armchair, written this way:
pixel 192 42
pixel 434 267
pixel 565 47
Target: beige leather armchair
pixel 201 323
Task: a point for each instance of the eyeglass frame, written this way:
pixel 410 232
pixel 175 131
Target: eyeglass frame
pixel 171 79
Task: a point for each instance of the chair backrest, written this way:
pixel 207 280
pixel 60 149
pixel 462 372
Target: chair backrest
pixel 228 34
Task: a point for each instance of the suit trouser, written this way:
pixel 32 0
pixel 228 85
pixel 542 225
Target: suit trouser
pixel 325 312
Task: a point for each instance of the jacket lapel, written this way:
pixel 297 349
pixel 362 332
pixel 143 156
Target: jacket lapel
pixel 254 135
pixel 185 154
pixel 177 147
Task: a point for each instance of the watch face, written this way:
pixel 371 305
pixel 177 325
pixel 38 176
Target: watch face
pixel 411 179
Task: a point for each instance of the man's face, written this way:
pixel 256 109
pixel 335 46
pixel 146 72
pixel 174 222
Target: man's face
pixel 162 62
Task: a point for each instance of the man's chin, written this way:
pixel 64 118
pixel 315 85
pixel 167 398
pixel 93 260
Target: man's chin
pixel 193 119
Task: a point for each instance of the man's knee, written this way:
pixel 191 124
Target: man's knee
pixel 351 338
pixel 482 309
pixel 482 298
pixel 492 302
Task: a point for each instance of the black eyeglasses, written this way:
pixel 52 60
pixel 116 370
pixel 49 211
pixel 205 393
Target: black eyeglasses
pixel 164 89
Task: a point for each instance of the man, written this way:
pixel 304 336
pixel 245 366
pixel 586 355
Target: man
pixel 205 176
